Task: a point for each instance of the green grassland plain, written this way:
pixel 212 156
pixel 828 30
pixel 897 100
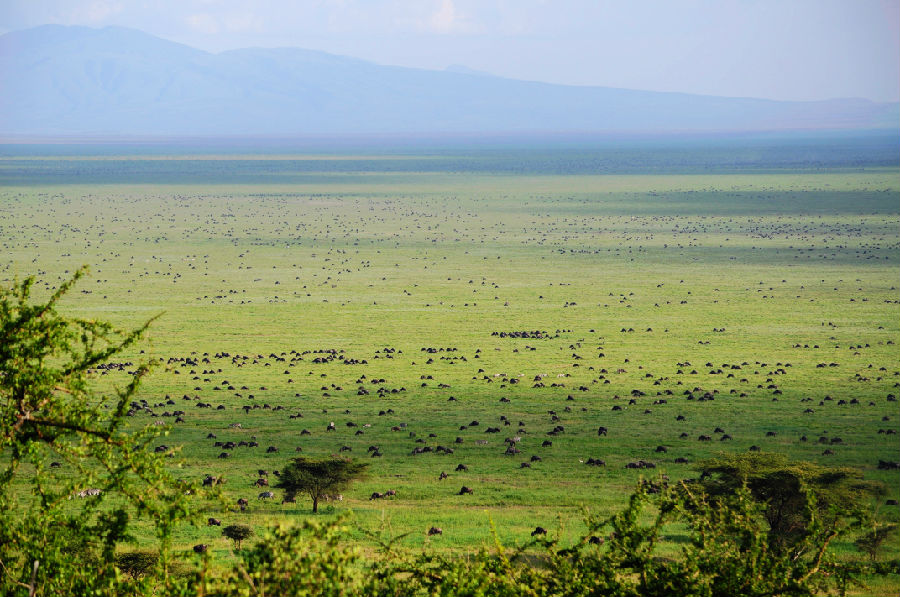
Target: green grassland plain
pixel 752 307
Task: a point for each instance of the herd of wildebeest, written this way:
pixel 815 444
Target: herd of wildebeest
pixel 213 382
pixel 538 342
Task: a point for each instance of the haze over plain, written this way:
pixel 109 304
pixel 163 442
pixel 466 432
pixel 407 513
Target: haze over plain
pixel 407 74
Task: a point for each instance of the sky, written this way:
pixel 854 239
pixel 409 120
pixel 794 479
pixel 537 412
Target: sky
pixel 775 49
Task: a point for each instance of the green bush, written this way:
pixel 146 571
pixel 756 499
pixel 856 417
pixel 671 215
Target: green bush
pixel 728 553
pixel 52 542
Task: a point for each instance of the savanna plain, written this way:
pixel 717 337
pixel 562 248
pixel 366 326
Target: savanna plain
pixel 464 316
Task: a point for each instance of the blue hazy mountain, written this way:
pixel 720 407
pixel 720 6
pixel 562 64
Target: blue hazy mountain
pixel 59 80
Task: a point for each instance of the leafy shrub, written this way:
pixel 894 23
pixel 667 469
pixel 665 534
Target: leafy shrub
pixel 728 553
pixel 48 543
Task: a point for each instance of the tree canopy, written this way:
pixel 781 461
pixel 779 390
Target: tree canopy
pixel 791 492
pixel 237 533
pixel 318 477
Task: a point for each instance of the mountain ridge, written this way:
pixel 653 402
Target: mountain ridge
pixel 114 80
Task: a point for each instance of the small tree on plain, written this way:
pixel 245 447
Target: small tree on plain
pixel 237 533
pixel 871 542
pixel 318 477
pixel 136 563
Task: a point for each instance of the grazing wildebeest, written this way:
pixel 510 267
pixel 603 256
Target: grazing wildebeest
pixel 435 531
pixel 601 431
pixel 261 482
pixel 443 476
pixel 640 464
pixel 266 495
pixel 464 490
pixel 213 522
pixel 538 531
pixel 243 503
pixel 201 548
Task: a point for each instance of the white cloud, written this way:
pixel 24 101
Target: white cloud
pixel 446 19
pixel 203 23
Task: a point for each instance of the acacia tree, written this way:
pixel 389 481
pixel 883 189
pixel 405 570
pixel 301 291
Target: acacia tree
pixel 792 493
pixel 49 413
pixel 318 477
pixel 237 533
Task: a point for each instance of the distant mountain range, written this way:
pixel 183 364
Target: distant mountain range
pixel 57 80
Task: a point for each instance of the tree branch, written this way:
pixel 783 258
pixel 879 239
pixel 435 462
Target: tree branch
pixel 62 425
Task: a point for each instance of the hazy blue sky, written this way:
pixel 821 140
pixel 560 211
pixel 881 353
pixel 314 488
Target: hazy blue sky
pixel 779 49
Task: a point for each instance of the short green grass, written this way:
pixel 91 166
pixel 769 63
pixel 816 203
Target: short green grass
pixel 772 292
